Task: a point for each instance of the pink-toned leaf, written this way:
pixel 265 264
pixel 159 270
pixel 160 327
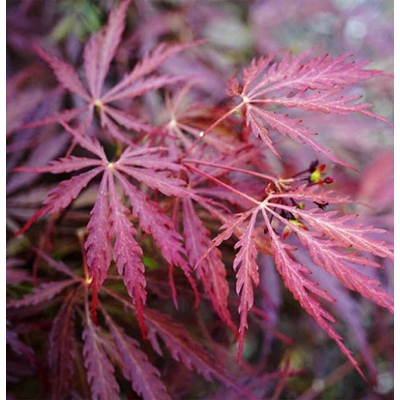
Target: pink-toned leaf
pixel 113 129
pixel 42 293
pixel 228 229
pixel 65 116
pixel 102 48
pixel 136 367
pixel 153 220
pixel 346 231
pixel 254 70
pixel 187 351
pixel 143 151
pixel 66 191
pixel 89 143
pixel 159 180
pixel 149 63
pixel 100 372
pixel 260 131
pixel 321 73
pixel 293 275
pixel 141 157
pixel 327 102
pixel 97 245
pixel 237 228
pixel 60 197
pixel 314 194
pixel 212 270
pixel 90 62
pixel 141 86
pixel 335 263
pixel 246 275
pixel 65 74
pixel 293 82
pixel 127 252
pixel 61 351
pixel 63 165
pixel 20 347
pixel 124 119
pixel 289 127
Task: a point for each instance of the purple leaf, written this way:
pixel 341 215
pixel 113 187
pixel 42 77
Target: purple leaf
pixel 246 275
pixel 127 253
pixel 187 351
pixel 65 116
pixel 98 245
pixel 153 220
pixel 89 143
pixel 147 65
pixel 124 119
pixel 63 165
pixel 42 293
pixel 136 367
pixel 61 353
pixel 142 86
pixel 60 197
pixel 211 270
pixel 100 372
pixel 293 276
pixel 346 232
pixel 159 180
pixel 335 263
pixel 102 48
pixel 66 75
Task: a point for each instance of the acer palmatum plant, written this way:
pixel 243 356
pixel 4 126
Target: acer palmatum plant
pixel 156 227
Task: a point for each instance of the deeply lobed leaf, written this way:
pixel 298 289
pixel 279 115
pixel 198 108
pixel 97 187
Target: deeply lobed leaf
pixel 144 376
pixel 100 372
pixel 61 353
pixel 127 253
pixel 211 270
pixel 298 82
pixel 98 244
pixel 246 275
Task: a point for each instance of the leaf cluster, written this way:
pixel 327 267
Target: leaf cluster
pixel 149 216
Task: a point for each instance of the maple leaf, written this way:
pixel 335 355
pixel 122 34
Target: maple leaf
pixel 20 347
pixel 110 232
pixel 328 239
pixel 144 376
pixel 127 252
pixel 100 371
pixel 98 54
pixel 61 354
pixel 42 293
pixel 211 269
pixel 246 275
pixel 186 350
pixel 297 81
pixel 187 120
pixel 244 264
pixel 348 308
pixel 328 235
pixel 157 164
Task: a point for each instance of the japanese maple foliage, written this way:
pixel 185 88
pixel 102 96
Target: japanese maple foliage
pixel 145 211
